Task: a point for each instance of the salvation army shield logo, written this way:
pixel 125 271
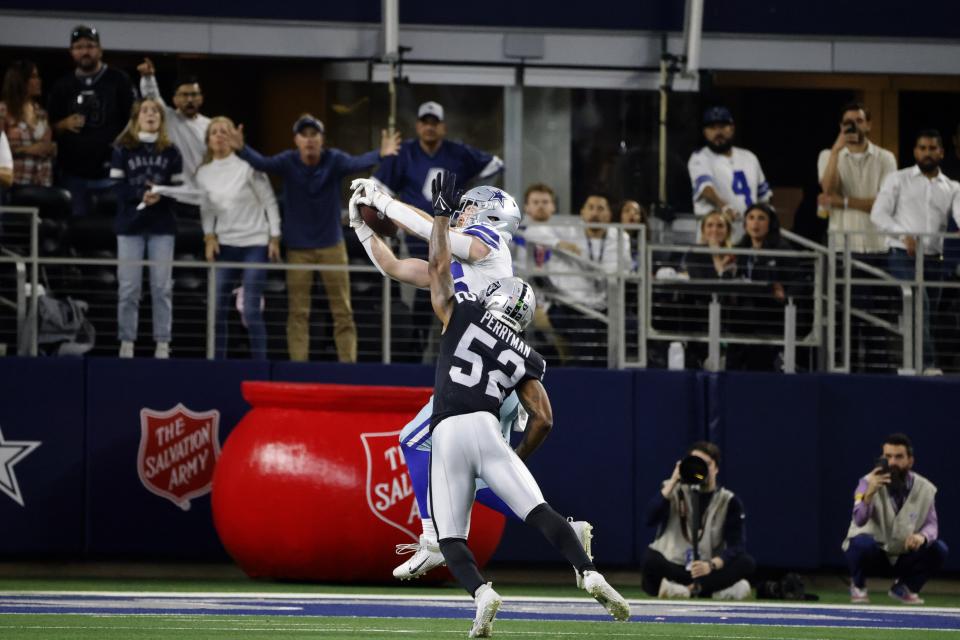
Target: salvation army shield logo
pixel 178 451
pixel 389 490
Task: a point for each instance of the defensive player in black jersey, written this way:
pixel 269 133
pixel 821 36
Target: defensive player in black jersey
pixel 482 359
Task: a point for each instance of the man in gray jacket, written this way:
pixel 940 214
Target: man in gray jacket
pixel 670 568
pixel 894 527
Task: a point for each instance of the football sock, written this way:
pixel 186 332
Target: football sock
pixel 560 534
pixel 429 532
pixel 462 564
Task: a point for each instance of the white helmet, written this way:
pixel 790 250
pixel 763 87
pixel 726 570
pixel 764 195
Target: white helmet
pixel 512 301
pixel 491 206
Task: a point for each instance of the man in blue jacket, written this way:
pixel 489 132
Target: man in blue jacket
pixel 311 227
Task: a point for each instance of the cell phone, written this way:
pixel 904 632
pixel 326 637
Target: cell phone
pixel 850 128
pixel 883 464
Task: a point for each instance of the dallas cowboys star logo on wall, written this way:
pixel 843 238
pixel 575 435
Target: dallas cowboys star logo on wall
pixel 12 452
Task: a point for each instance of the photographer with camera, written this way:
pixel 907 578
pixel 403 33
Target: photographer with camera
pixel 894 528
pixel 699 548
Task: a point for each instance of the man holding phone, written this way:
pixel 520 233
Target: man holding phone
pixel 894 527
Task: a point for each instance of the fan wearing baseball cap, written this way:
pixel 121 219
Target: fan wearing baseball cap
pixel 88 108
pixel 408 175
pixel 724 177
pixel 311 229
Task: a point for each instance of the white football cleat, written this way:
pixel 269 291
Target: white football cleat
pixel 162 352
pixel 606 595
pixel 426 558
pixel 126 349
pixel 584 531
pixel 488 603
pixel 739 590
pixel 672 590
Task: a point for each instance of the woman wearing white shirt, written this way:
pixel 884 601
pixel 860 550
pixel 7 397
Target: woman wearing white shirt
pixel 241 223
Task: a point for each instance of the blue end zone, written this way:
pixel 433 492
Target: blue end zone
pixel 555 609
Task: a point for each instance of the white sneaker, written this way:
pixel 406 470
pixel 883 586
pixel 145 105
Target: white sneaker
pixel 426 558
pixel 672 590
pixel 126 349
pixel 488 603
pixel 859 596
pixel 739 590
pixel 584 531
pixel 162 351
pixel 606 595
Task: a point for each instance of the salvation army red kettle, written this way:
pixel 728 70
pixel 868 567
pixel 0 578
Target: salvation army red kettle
pixel 311 485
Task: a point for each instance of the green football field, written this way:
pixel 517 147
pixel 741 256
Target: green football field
pixel 186 609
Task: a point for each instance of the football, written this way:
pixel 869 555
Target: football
pixel 379 222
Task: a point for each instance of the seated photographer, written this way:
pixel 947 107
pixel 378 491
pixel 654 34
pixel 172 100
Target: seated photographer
pixel 670 569
pixel 894 529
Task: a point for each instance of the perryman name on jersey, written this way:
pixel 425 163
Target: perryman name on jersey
pixel 482 360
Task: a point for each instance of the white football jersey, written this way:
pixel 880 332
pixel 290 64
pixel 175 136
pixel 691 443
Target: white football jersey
pixel 737 179
pixel 476 276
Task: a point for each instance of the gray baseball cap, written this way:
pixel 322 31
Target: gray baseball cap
pixel 430 109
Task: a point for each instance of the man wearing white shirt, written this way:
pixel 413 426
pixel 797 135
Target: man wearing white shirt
pixel 186 126
pixel 850 174
pixel 724 177
pixel 918 200
pixel 609 250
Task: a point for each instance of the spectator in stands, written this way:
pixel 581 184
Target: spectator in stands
pixel 724 177
pixel 534 236
pixel 144 157
pixel 851 172
pixel 186 126
pixel 6 161
pixel 241 223
pixel 763 313
pixel 532 245
pixel 88 108
pixel 918 200
pixel 894 528
pixel 407 177
pixel 311 226
pixel 579 299
pixel 632 212
pixel 715 232
pixel 669 570
pixel 27 127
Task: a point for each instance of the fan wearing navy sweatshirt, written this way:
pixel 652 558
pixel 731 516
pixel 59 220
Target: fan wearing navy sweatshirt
pixel 143 156
pixel 312 232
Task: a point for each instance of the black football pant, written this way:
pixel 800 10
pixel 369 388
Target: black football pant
pixel 656 567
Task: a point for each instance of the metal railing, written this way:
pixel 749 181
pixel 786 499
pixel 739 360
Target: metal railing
pixel 622 313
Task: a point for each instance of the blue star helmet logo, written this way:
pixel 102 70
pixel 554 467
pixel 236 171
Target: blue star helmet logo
pixel 498 196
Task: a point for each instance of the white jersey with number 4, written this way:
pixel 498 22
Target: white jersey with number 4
pixel 737 179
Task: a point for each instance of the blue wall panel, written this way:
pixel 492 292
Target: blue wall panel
pixel 768 436
pixel 856 413
pixel 585 468
pixel 41 400
pixel 667 419
pixel 123 517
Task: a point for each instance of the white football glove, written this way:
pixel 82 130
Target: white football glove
pixel 356 221
pixel 377 198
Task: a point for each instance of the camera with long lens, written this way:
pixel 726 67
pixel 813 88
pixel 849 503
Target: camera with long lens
pixel 694 471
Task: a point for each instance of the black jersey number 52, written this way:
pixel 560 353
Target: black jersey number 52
pixel 497 380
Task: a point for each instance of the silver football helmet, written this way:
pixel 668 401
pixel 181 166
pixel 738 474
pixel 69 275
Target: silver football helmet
pixel 488 205
pixel 512 301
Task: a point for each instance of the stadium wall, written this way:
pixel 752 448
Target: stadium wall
pixel 794 447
